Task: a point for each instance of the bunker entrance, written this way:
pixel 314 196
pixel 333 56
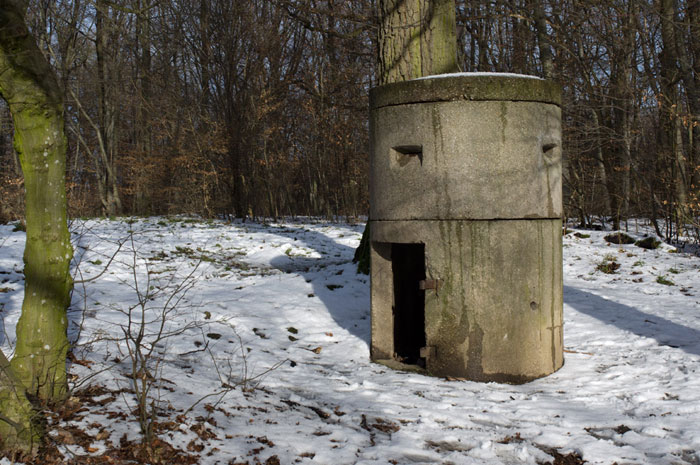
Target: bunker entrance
pixel 408 268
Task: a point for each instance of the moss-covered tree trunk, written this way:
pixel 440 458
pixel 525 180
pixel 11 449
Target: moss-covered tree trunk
pixel 416 38
pixel 18 430
pixel 29 86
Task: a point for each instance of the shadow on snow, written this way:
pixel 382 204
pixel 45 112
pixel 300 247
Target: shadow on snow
pixel 665 332
pixel 333 277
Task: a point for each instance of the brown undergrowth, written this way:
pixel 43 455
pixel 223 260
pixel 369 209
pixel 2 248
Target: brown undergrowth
pixel 63 430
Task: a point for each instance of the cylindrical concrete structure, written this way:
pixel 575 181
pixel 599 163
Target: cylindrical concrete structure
pixel 466 207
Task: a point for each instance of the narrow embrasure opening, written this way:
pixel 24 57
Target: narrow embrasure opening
pixel 408 267
pixel 405 153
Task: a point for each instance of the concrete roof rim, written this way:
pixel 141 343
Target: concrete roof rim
pixel 418 102
pixel 466 88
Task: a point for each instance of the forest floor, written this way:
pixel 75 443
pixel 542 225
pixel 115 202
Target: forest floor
pixel 254 350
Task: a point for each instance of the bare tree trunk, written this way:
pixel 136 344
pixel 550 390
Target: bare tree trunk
pixel 693 16
pixel 602 169
pixel 32 92
pixel 688 52
pixel 106 170
pixel 204 51
pixel 143 94
pixel 623 107
pixel 546 56
pixel 670 137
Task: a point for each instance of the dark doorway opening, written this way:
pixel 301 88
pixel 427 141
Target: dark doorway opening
pixel 408 267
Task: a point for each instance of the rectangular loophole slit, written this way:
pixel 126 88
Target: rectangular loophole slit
pixel 408 268
pixel 405 153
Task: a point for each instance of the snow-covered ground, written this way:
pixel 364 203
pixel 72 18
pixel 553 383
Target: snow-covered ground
pixel 263 354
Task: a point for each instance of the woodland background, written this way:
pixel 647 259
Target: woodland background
pixel 259 108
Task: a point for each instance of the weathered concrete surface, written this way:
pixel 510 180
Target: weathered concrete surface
pixel 497 315
pixel 470 166
pixel 382 300
pixel 479 160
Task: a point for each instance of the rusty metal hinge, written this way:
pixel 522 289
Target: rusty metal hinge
pixel 426 284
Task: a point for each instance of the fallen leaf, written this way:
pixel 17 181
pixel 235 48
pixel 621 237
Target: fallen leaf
pixel 574 352
pixel 65 436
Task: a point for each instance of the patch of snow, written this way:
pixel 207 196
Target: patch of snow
pixel 480 73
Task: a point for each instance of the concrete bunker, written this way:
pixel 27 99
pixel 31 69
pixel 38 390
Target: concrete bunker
pixel 466 207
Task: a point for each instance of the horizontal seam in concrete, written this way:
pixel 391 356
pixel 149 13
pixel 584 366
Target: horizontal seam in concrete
pixel 419 102
pixel 468 219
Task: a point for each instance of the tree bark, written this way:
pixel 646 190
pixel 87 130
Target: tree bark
pixel 688 51
pixel 32 92
pixel 693 85
pixel 143 117
pixel 416 38
pixel 17 428
pixel 204 53
pixel 670 137
pixel 545 46
pixel 106 171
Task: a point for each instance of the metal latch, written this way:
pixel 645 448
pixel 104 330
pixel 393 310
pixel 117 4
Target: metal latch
pixel 426 284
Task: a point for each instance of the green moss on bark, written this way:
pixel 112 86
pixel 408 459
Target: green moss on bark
pixel 41 331
pixel 18 430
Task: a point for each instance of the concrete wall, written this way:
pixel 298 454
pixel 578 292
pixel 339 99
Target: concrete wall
pixel 471 167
